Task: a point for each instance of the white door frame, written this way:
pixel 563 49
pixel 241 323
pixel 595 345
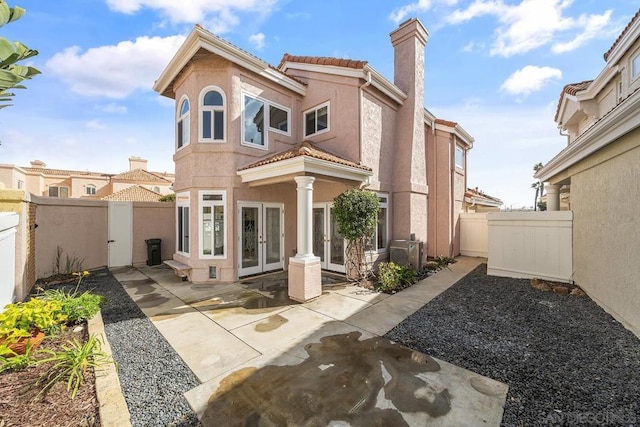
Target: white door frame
pixel 326 263
pixel 262 265
pixel 120 233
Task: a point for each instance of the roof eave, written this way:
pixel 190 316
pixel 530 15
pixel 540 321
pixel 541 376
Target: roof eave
pixel 625 44
pixel 458 131
pixel 612 126
pixel 303 164
pixel 200 38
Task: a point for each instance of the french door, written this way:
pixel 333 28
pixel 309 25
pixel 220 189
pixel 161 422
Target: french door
pixel 328 244
pixel 260 237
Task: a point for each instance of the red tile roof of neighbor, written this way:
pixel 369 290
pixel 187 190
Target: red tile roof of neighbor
pixel 306 148
pixel 47 171
pixel 140 175
pixel 135 193
pixel 622 34
pixel 322 60
pixel 476 192
pixel 446 123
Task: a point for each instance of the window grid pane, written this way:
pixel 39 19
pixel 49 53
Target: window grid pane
pixel 218 229
pixel 218 125
pixel 206 124
pixel 213 98
pixel 253 121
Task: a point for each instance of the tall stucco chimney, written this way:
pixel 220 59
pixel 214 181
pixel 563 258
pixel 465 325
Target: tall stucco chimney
pixel 410 170
pixel 137 163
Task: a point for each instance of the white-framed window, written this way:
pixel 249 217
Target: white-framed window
pixel 182 221
pixel 20 184
pixel 380 240
pixel 635 66
pixel 316 120
pixel 213 224
pixel 255 122
pixel 90 190
pixel 183 123
pixel 62 192
pixel 459 157
pixel 213 107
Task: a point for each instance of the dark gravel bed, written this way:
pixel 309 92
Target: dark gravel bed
pixel 152 375
pixel 566 361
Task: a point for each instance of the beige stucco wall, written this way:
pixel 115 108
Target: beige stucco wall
pixel 604 189
pixel 152 220
pixel 78 226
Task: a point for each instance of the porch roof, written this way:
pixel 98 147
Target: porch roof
pixel 302 159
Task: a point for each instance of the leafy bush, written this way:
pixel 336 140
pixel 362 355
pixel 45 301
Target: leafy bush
pixel 71 364
pixel 33 314
pixel 10 360
pixel 394 277
pixel 77 308
pixel 168 198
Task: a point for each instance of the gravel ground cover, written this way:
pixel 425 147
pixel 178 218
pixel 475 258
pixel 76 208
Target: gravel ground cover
pixel 152 376
pixel 566 361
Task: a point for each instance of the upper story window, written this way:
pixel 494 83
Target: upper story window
pixel 316 120
pixel 635 66
pixel 183 123
pixel 90 190
pixel 59 192
pixel 20 184
pixel 212 112
pixel 255 121
pixel 459 157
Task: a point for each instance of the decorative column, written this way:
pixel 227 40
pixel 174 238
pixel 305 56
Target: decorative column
pixel 305 274
pixel 553 197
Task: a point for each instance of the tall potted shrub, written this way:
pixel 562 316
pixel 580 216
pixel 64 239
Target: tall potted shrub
pixel 356 212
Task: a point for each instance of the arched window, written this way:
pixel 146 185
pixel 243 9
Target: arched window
pixel 183 123
pixel 212 112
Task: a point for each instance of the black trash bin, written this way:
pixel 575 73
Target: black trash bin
pixel 153 251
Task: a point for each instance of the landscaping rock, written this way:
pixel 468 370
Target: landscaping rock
pixel 561 290
pixel 578 292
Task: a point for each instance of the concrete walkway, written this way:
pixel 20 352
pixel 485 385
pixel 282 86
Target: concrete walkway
pixel 249 334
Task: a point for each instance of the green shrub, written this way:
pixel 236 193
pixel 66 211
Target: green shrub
pixel 77 308
pixel 394 277
pixel 10 360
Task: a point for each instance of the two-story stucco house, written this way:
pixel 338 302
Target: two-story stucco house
pixel 598 172
pixel 261 152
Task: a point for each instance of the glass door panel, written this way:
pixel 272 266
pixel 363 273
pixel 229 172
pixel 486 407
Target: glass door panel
pixel 273 237
pixel 336 259
pixel 319 235
pixel 249 238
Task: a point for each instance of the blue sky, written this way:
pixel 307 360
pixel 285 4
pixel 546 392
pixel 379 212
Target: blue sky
pixel 494 66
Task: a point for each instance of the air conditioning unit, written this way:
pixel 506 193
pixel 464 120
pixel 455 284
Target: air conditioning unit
pixel 407 252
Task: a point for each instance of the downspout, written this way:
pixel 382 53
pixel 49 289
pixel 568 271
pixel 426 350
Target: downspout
pixel 452 168
pixel 360 109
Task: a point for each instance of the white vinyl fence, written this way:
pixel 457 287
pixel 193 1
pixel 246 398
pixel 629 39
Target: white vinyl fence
pixel 474 232
pixel 8 228
pixel 531 244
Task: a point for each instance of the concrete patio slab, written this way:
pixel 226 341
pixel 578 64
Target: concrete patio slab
pixel 361 293
pixel 337 306
pixel 207 348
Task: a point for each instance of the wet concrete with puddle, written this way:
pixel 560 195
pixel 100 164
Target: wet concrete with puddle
pixel 344 381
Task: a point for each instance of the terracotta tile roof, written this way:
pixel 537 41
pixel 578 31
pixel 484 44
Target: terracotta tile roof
pixel 135 193
pixel 140 175
pixel 571 89
pixel 478 193
pixel 446 123
pixel 305 149
pixel 47 171
pixel 322 60
pixel 622 34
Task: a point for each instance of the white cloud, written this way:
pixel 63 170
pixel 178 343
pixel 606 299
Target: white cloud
pixel 257 40
pixel 113 108
pixel 421 6
pixel 594 25
pixel 114 71
pixel 469 47
pixel 532 24
pixel 529 79
pixel 220 12
pixel 95 125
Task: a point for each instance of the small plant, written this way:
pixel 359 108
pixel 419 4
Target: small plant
pixel 66 265
pixel 77 308
pixel 393 277
pixel 23 317
pixel 71 364
pixel 10 360
pixel 443 261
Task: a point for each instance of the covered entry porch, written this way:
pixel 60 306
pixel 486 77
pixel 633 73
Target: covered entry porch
pixel 307 166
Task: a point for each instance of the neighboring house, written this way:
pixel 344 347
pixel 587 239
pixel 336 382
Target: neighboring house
pixel 599 168
pixel 262 151
pixel 477 201
pixel 42 181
